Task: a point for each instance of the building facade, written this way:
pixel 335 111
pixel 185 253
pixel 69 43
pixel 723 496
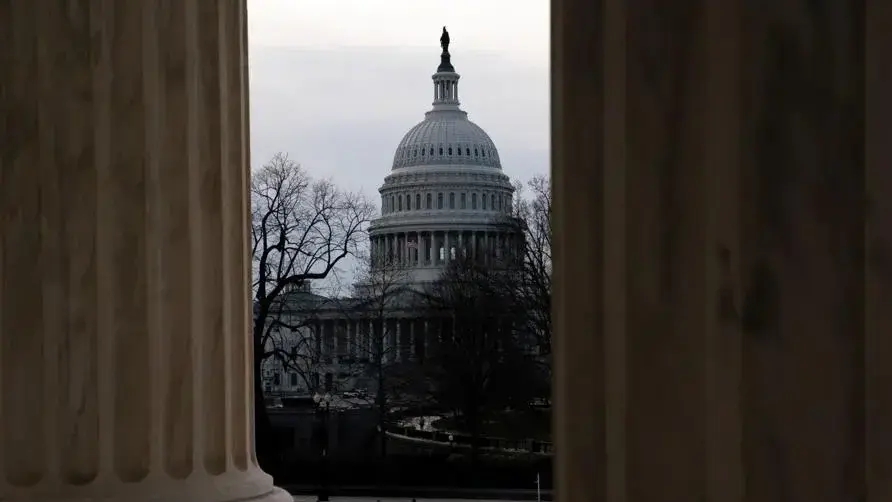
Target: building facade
pixel 445 198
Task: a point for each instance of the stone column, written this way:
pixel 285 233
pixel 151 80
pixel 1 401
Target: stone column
pixel 474 245
pixel 125 368
pixel 367 343
pixel 397 353
pixel 334 332
pixel 424 336
pixel 724 299
pixel 412 350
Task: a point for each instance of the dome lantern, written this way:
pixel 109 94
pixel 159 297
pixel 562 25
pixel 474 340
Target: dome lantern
pixel 446 136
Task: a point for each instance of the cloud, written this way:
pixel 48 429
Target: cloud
pixel 341 112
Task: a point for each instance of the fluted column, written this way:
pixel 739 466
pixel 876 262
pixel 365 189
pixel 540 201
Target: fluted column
pixel 125 371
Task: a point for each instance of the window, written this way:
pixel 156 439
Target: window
pixel 441 150
pixel 473 201
pixel 400 204
pixel 483 201
pixel 464 201
pixel 476 153
pixel 293 379
pixel 432 151
pixel 459 150
pixel 483 152
pixel 440 200
pixel 418 201
pixel 467 151
pixel 392 204
pixel 450 150
pixel 422 152
pixel 277 379
pixel 416 153
pixel 429 205
pixel 500 202
pixel 408 202
pixel 451 201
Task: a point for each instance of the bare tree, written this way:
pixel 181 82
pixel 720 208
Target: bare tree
pixel 301 230
pixel 531 285
pixel 378 356
pixel 479 360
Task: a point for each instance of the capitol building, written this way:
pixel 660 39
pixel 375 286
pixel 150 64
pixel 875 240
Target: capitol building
pixel 446 197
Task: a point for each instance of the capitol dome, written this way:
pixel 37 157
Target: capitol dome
pixel 446 137
pixel 446 196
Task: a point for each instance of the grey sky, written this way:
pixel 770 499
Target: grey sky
pixel 337 83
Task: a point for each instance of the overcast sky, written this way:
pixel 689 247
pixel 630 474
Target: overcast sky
pixel 336 83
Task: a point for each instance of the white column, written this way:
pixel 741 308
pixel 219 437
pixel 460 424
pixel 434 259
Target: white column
pixel 348 334
pixel 433 247
pixel 370 344
pixel 419 250
pixel 424 339
pixel 413 340
pixel 335 334
pixel 125 366
pixel 398 341
pixel 474 245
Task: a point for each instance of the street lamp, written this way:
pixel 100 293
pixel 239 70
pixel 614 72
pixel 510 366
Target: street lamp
pixel 323 401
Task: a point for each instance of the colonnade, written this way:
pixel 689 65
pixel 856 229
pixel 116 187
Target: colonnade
pixel 395 339
pixel 419 248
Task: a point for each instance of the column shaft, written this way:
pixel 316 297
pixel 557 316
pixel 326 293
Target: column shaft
pixel 123 253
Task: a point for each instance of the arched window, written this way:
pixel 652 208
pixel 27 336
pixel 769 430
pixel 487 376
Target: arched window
pixel 467 151
pixel 451 201
pixel 432 151
pixel 441 150
pixel 483 201
pixel 464 200
pixel 418 201
pixel 400 204
pixel 392 204
pixel 473 201
pixel 450 150
pixel 429 202
pixel 408 202
pixel 476 153
pixel 440 200
pixel 483 153
pixel 459 150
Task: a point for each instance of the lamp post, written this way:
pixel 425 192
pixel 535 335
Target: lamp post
pixel 323 401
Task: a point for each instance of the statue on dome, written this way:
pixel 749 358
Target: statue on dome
pixel 444 41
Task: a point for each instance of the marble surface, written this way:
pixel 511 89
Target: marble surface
pixel 730 269
pixel 124 360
